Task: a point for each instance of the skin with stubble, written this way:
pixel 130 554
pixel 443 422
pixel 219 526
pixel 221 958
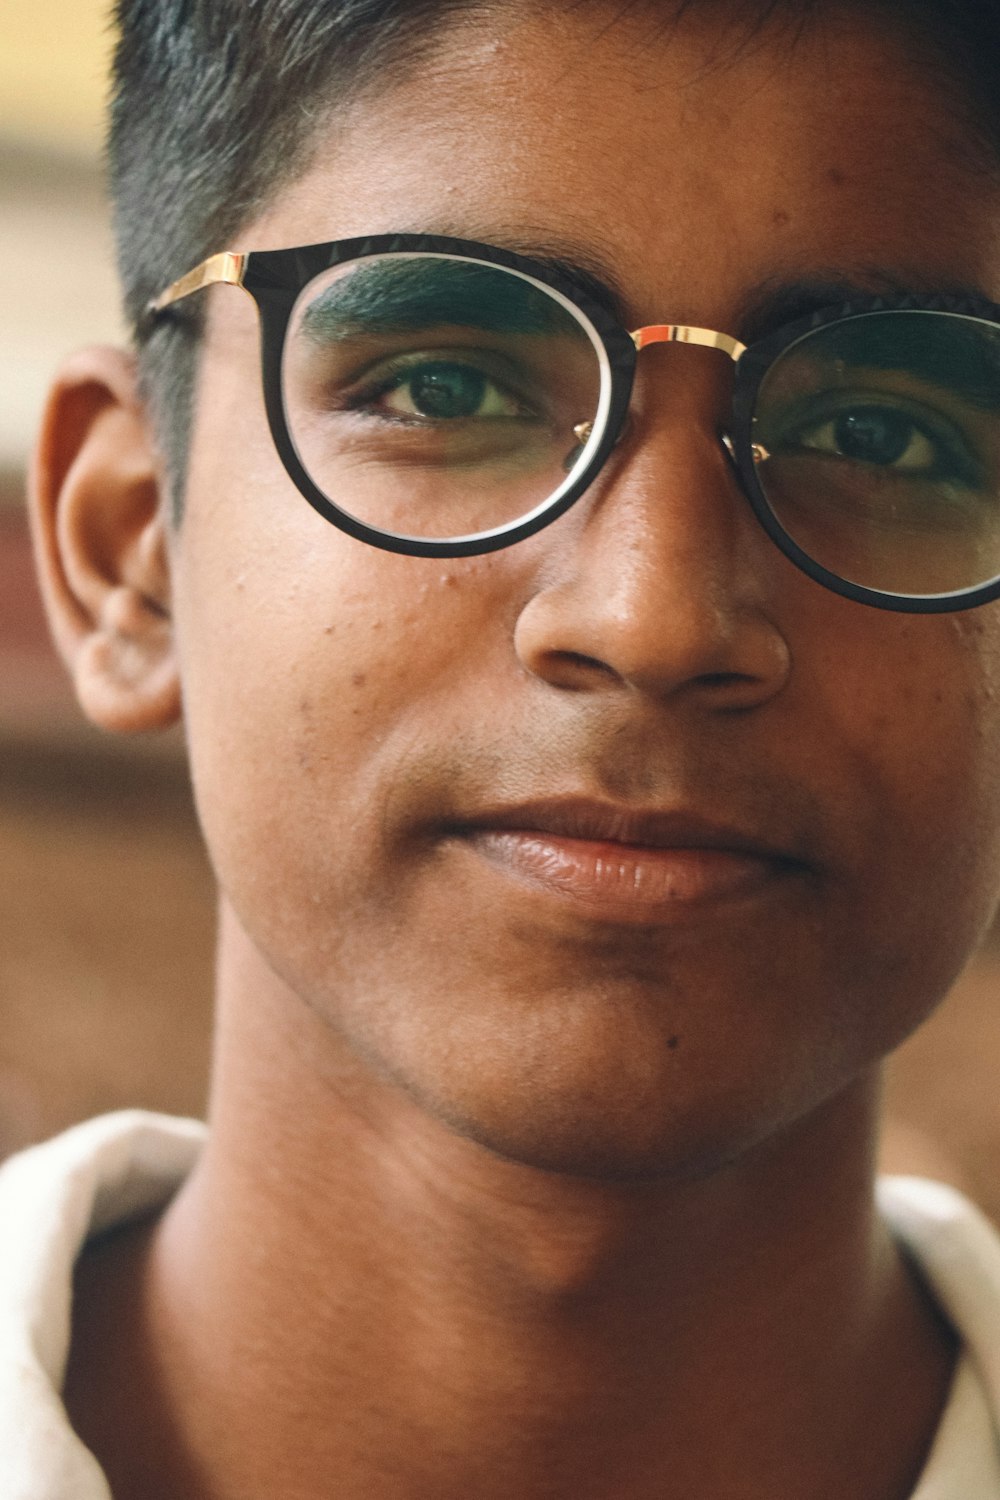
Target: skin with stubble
pixel 570 896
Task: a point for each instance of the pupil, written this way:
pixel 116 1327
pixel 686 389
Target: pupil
pixel 873 436
pixel 447 391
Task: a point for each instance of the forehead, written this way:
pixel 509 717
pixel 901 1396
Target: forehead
pixel 671 158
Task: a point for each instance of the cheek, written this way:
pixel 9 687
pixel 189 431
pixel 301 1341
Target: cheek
pixel 312 665
pixel 966 703
pixel 919 720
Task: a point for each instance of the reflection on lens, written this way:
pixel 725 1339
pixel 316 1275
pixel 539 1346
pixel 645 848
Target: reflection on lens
pixel 879 450
pixel 437 397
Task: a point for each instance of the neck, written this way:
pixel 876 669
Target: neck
pixel 345 1267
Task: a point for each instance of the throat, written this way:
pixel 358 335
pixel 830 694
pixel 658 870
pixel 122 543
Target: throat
pixel 547 1344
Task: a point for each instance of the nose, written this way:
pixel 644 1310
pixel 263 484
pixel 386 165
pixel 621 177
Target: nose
pixel 661 581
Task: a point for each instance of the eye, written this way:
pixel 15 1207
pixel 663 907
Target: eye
pixel 444 391
pixel 877 435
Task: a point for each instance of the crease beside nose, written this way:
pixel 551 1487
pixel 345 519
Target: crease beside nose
pixel 658 592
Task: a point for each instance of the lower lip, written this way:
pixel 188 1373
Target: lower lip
pixel 625 881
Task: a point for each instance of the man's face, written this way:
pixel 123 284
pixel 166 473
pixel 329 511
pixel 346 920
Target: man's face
pixel 423 783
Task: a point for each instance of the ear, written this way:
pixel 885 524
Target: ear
pixel 101 544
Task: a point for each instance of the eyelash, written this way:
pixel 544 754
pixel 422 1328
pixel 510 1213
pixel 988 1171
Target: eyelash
pixel 954 459
pixel 363 397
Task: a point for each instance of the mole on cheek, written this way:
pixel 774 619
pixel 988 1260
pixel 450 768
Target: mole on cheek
pixel 835 176
pixel 781 217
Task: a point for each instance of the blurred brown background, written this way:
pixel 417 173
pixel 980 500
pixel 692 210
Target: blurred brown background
pixel 105 896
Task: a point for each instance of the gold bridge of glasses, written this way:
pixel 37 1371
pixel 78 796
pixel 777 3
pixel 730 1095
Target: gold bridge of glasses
pixel 680 333
pixel 683 333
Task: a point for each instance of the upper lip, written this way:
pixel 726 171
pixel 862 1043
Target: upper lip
pixel 609 822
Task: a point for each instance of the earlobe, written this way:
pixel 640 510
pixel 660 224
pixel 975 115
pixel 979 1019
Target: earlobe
pixel 101 544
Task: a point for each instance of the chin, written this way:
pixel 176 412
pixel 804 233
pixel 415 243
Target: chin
pixel 621 1135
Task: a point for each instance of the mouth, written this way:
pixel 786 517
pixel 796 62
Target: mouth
pixel 623 864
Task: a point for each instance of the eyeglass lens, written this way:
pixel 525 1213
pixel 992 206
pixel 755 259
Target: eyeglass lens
pixel 879 449
pixel 437 397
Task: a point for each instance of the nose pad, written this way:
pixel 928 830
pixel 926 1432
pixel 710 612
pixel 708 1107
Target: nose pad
pixel 582 432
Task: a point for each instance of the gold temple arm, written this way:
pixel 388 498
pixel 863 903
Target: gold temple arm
pixel 226 267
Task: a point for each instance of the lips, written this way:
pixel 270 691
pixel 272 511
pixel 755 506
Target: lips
pixel 626 863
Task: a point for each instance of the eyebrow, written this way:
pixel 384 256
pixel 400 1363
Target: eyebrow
pixel 416 292
pixel 774 302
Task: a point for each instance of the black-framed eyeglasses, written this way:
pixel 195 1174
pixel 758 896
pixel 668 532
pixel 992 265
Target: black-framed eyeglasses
pixel 444 398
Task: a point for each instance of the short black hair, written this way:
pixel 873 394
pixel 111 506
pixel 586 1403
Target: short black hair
pixel 216 103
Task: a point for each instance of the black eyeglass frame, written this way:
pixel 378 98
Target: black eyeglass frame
pixel 275 279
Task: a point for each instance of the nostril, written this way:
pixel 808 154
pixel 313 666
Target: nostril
pixel 586 665
pixel 728 685
pixel 573 671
